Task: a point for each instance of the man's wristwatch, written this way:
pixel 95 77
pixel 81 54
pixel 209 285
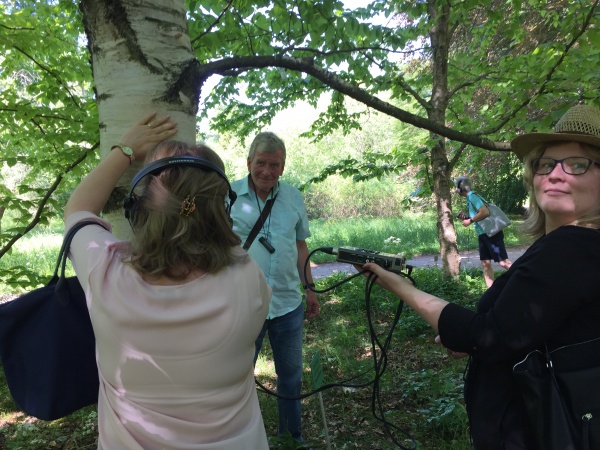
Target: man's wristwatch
pixel 471 220
pixel 127 151
pixel 309 285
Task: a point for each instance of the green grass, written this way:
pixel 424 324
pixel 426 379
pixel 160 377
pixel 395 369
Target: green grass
pixel 420 390
pixel 33 258
pixel 413 234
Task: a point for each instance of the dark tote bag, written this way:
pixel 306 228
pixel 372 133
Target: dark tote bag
pixel 47 345
pixel 562 395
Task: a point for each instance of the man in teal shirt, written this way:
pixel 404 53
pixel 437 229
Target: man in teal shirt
pixel 489 247
pixel 280 250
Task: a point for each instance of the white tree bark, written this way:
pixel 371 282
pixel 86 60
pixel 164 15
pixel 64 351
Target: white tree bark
pixel 142 61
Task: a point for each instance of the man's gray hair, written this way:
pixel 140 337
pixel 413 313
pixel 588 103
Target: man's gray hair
pixel 267 142
pixel 463 183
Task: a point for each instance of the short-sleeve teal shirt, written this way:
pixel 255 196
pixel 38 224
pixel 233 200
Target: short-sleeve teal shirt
pixel 475 202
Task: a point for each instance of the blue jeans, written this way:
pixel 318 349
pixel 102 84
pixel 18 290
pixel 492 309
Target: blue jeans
pixel 285 336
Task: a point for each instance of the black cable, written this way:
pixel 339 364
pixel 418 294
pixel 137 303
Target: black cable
pixel 344 383
pixel 379 363
pixel 380 366
pixel 330 251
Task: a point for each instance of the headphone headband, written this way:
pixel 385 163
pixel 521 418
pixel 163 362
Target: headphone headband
pixel 162 164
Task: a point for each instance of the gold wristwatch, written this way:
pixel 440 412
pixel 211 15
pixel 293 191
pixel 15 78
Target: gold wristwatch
pixel 127 151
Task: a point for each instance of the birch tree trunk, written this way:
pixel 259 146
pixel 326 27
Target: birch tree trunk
pixel 142 61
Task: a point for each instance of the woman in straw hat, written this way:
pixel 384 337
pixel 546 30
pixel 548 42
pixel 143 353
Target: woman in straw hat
pixel 548 296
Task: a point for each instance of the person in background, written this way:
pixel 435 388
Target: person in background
pixel 548 296
pixel 490 248
pixel 280 250
pixel 177 310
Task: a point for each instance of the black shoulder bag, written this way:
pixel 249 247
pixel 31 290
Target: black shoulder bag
pixel 561 392
pixel 47 345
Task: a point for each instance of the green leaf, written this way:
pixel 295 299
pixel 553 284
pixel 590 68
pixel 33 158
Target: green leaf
pixel 316 370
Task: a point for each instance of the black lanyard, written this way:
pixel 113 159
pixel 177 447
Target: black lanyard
pixel 260 223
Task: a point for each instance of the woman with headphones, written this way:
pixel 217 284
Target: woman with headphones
pixel 177 309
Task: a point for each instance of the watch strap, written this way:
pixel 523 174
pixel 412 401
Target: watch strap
pixel 127 151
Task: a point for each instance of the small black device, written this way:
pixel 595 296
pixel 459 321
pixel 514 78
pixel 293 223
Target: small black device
pixel 462 216
pixel 266 244
pixel 360 256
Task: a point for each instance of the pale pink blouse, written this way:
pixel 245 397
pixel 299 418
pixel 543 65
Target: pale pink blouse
pixel 175 362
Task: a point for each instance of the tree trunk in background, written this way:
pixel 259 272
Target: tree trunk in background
pixel 441 169
pixel 2 209
pixel 142 61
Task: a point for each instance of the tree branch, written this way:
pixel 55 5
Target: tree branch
pixel 42 204
pixel 52 74
pixel 456 156
pixel 236 65
pixel 550 73
pixel 215 23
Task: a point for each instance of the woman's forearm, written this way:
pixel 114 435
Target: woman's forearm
pixel 425 305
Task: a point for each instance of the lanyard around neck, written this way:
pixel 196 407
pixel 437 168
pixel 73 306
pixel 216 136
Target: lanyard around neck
pixel 260 211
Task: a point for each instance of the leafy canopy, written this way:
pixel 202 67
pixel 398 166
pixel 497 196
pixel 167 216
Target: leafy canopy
pixel 47 111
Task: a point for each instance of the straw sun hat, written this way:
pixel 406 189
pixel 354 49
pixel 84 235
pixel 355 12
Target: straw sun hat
pixel 580 123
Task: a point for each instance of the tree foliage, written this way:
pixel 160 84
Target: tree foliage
pixel 474 72
pixel 508 61
pixel 48 114
pixel 461 78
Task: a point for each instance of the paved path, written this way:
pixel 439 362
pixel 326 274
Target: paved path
pixel 469 259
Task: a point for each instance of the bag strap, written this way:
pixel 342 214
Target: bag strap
pixel 64 249
pixel 61 263
pixel 470 202
pixel 261 220
pixel 473 204
pixel 485 202
pixel 550 367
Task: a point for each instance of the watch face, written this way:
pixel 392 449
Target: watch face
pixel 127 150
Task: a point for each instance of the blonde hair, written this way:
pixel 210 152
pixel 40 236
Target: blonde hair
pixel 535 221
pixel 167 243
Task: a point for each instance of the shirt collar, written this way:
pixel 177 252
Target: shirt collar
pixel 245 188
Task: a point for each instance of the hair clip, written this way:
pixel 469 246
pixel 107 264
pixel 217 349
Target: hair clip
pixel 187 206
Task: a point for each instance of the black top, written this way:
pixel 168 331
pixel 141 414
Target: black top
pixel 551 294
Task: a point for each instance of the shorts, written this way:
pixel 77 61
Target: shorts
pixel 492 247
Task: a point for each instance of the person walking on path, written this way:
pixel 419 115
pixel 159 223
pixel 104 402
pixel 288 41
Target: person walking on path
pixel 490 248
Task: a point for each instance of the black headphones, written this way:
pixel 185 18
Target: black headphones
pixel 458 185
pixel 130 203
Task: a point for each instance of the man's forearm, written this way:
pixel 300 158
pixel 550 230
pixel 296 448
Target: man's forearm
pixel 305 278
